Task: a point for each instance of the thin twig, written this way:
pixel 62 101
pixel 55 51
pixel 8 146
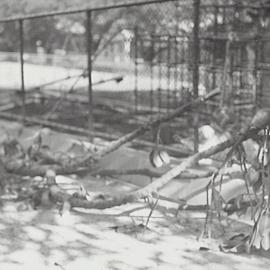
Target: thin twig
pixel 151 212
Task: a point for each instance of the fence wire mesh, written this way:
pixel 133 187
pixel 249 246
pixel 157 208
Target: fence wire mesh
pixel 144 59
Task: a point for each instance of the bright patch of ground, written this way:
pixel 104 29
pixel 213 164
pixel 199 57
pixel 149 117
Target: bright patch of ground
pixel 88 239
pixel 36 75
pixel 42 240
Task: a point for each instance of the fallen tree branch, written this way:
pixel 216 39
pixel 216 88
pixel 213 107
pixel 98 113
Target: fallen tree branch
pixel 229 208
pixel 151 189
pixel 149 173
pixel 21 167
pixel 144 128
pixel 108 202
pixel 189 162
pixel 98 203
pixel 90 159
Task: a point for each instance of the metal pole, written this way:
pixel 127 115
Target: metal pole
pixel 214 53
pixel 176 54
pixel 22 67
pixel 175 71
pixel 196 62
pixel 159 74
pixel 257 73
pixel 183 64
pixel 168 72
pixel 152 73
pixel 136 69
pixel 89 42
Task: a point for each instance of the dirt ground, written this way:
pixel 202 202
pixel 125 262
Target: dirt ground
pixel 43 239
pixel 113 238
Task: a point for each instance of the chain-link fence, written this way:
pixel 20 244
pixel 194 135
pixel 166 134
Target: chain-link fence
pixel 133 61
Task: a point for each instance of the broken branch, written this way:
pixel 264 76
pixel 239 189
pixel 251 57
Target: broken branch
pixel 187 163
pixel 144 128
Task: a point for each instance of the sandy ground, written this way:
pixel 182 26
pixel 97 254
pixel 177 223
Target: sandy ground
pixel 36 75
pixel 44 240
pixel 88 239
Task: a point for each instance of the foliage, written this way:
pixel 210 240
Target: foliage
pixel 44 30
pixel 160 19
pixel 174 18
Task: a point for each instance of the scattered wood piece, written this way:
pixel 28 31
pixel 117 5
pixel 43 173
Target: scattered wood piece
pixel 150 173
pixel 89 159
pixel 151 189
pixel 144 128
pixel 189 162
pixel 21 167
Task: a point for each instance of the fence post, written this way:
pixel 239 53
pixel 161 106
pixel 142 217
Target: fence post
pixel 257 72
pixel 196 62
pixel 176 58
pixel 168 73
pixel 89 42
pixel 152 73
pixel 21 36
pixel 214 53
pixel 159 74
pixel 136 69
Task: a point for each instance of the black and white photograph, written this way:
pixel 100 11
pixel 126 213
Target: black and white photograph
pixel 134 134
